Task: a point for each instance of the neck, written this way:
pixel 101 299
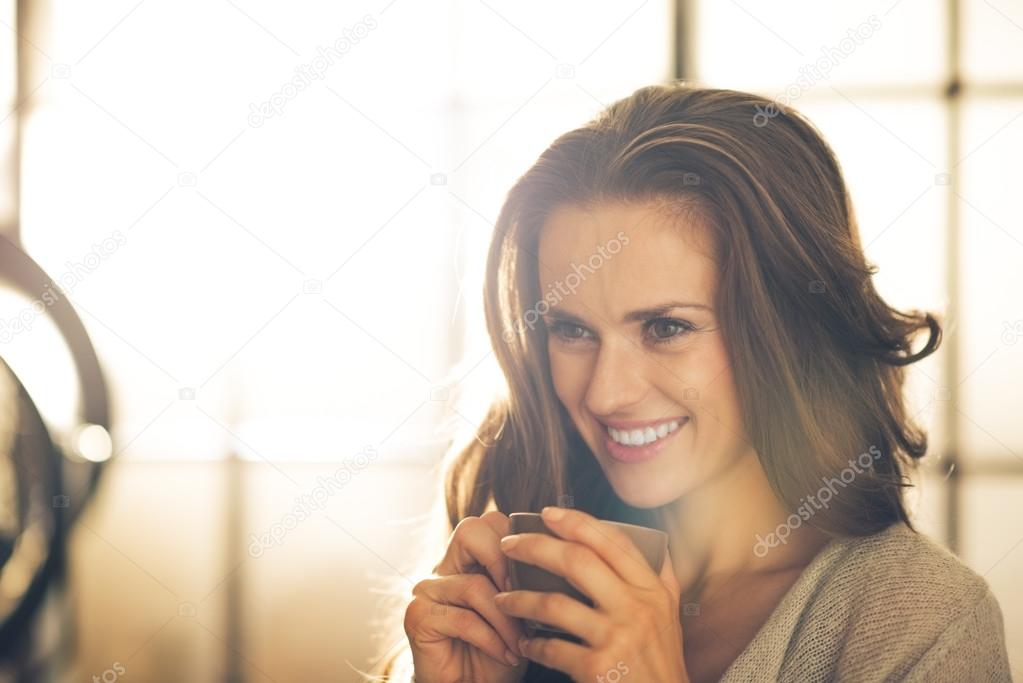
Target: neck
pixel 714 529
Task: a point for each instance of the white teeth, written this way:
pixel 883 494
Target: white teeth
pixel 642 437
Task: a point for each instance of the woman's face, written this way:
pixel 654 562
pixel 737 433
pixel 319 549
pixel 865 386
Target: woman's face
pixel 635 349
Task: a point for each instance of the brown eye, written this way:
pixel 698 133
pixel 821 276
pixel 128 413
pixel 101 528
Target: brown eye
pixel 662 330
pixel 568 332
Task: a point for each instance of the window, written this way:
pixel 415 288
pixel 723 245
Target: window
pixel 296 223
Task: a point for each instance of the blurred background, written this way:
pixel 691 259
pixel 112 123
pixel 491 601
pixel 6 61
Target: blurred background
pixel 272 220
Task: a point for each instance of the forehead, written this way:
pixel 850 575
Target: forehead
pixel 639 254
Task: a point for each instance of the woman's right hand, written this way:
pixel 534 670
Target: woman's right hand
pixel 455 630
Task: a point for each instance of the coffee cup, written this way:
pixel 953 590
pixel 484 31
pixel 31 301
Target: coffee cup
pixel 652 544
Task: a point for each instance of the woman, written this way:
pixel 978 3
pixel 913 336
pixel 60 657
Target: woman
pixel 677 295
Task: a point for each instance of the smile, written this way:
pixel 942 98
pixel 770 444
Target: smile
pixel 642 437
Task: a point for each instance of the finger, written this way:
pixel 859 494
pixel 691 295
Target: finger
pixel 501 524
pixel 475 543
pixel 557 609
pixel 556 653
pixel 449 621
pixel 578 564
pixel 498 521
pixel 476 592
pixel 611 544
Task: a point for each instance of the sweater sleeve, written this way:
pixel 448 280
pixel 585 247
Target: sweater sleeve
pixel 970 648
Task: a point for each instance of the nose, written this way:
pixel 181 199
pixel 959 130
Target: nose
pixel 618 379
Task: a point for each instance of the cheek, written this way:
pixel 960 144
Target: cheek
pixel 702 375
pixel 708 370
pixel 568 374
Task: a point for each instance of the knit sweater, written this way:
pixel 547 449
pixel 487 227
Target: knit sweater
pixel 891 606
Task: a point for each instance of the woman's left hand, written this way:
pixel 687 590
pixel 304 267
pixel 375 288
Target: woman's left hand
pixel 633 626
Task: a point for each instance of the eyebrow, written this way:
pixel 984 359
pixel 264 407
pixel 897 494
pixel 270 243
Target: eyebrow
pixel 634 316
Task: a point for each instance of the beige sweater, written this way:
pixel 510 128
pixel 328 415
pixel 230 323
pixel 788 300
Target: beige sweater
pixel 892 606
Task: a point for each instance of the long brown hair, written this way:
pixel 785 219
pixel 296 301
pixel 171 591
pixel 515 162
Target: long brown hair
pixel 817 355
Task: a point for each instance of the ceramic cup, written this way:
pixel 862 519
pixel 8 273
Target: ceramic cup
pixel 652 543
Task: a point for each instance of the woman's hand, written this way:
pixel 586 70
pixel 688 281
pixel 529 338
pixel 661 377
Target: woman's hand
pixel 633 627
pixel 454 628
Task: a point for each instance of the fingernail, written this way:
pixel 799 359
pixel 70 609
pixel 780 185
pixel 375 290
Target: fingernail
pixel 552 513
pixel 508 542
pixel 510 658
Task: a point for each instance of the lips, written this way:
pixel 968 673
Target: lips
pixel 644 451
pixel 640 424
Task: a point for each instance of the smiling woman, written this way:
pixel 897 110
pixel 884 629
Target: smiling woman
pixel 731 358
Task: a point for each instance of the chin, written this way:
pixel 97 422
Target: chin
pixel 642 495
